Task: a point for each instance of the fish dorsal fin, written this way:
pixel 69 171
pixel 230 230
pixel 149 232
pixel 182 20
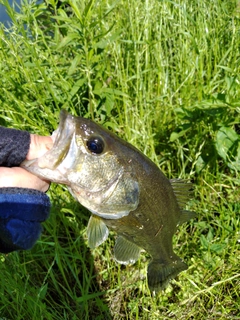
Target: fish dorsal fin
pixel 186 215
pixel 97 231
pixel 125 251
pixel 182 190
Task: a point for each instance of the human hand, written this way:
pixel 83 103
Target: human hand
pixel 19 177
pixel 38 146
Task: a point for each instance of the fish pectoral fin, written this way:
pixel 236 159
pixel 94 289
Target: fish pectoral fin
pixel 186 216
pixel 97 231
pixel 159 274
pixel 125 251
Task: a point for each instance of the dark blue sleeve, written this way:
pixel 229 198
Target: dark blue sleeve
pixel 21 213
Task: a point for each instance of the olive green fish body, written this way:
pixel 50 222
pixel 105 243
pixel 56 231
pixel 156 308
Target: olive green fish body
pixel 124 190
pixel 151 227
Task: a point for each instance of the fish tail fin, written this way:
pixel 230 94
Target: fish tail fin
pixel 159 273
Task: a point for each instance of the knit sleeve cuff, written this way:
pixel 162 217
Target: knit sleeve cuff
pixel 21 213
pixel 14 146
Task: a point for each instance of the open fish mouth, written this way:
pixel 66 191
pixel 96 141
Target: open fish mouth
pixel 61 156
pixel 64 143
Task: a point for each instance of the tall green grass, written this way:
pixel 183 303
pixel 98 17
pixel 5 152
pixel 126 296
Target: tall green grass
pixel 164 75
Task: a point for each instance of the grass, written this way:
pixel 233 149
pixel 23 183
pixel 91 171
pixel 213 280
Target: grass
pixel 164 75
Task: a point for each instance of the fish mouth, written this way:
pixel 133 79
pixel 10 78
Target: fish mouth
pixel 63 144
pixel 62 138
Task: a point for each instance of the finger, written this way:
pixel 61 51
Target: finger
pixel 18 177
pixel 39 146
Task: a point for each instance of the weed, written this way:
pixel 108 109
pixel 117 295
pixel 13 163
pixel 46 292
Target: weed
pixel 164 75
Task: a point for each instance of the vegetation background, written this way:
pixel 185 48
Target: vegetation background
pixel 164 75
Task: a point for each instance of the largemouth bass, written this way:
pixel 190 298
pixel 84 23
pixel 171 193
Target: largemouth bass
pixel 123 189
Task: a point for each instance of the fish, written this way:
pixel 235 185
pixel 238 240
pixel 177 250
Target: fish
pixel 123 189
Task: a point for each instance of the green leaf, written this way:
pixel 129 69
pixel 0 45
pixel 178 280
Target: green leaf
pixel 115 92
pixel 217 247
pixel 228 147
pixel 175 135
pixel 204 242
pixel 67 40
pixel 43 291
pixel 77 86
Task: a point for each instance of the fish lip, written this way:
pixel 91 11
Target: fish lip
pixel 65 122
pixel 62 141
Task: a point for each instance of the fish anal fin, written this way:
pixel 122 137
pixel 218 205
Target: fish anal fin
pixel 159 274
pixel 97 231
pixel 125 251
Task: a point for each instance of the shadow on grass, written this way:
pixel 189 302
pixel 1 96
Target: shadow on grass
pixel 57 279
pixel 75 286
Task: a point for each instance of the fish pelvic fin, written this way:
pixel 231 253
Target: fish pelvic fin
pixel 159 274
pixel 97 231
pixel 125 251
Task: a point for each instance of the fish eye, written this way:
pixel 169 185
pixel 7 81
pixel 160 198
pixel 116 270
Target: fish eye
pixel 95 145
